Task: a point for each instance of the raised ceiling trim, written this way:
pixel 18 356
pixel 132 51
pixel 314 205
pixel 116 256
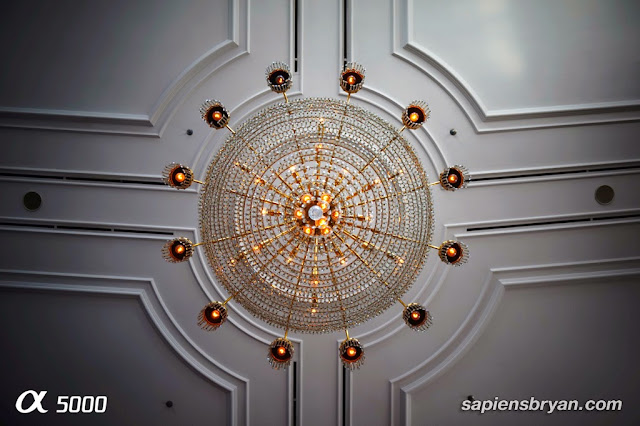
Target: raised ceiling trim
pixel 153 124
pixel 483 119
pixel 497 282
pixel 137 287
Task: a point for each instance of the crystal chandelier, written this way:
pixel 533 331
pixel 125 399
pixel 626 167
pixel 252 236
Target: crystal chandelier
pixel 315 215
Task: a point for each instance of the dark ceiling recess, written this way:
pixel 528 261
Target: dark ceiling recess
pixel 605 194
pixel 32 201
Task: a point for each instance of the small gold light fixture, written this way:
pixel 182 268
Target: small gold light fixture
pixel 315 215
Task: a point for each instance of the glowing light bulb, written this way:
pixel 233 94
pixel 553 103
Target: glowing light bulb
pixel 351 352
pixel 264 212
pixel 256 248
pixel 415 315
pixel 414 116
pixel 343 260
pixel 325 230
pixel 451 251
pixel 179 249
pixel 325 197
pixel 306 198
pixel 335 214
pixel 351 79
pixel 307 230
pixel 282 350
pixel 217 115
pixel 298 213
pixel 215 314
pixel 318 146
pixel 452 178
pixel 279 79
pixel 323 205
pixel 179 177
pixel 314 310
pixel 321 222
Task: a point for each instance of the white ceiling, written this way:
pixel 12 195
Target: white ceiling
pixel 96 98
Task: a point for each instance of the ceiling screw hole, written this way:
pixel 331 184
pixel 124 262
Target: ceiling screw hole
pixel 169 404
pixel 453 132
pixel 189 132
pixel 32 201
pixel 605 194
pixel 470 398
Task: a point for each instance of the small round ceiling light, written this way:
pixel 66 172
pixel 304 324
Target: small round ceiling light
pixel 604 195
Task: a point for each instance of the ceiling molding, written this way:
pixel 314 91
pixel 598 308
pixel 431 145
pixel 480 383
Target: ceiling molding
pixel 153 124
pixel 496 283
pixel 166 325
pixel 483 119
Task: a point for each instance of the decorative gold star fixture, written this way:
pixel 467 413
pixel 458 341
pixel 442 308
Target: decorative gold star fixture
pixel 315 215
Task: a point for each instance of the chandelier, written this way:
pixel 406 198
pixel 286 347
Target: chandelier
pixel 315 215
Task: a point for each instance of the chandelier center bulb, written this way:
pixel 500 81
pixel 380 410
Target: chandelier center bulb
pixel 315 212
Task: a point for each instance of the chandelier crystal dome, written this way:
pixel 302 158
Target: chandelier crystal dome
pixel 333 209
pixel 315 215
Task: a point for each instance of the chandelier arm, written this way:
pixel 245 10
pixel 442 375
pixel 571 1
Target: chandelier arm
pixel 295 134
pixel 356 238
pixel 400 130
pixel 377 231
pixel 334 282
pixel 363 189
pixel 260 181
pixel 344 115
pixel 346 332
pixel 326 179
pixel 266 228
pixel 286 99
pixel 296 177
pixel 343 187
pixel 230 129
pixel 264 200
pixel 259 157
pixel 295 290
pixel 268 241
pixel 384 197
pixel 365 263
pixel 390 254
pixel 433 247
pixel 435 183
pixel 253 277
pixel 378 154
pixel 319 148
